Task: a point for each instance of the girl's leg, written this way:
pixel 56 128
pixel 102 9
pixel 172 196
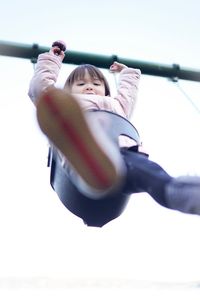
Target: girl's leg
pixel 143 175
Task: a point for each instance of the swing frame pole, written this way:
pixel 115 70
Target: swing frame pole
pixel 31 52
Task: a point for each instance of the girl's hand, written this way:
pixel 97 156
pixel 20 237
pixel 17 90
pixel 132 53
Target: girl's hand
pixel 56 51
pixel 58 48
pixel 117 67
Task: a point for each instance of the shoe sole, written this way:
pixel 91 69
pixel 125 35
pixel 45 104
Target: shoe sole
pixel 63 122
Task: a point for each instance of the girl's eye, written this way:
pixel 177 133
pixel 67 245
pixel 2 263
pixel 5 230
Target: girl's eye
pixel 80 83
pixel 97 83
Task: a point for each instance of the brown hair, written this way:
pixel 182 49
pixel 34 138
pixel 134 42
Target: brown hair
pixel 79 72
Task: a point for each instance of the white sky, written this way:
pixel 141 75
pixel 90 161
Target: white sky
pixel 42 244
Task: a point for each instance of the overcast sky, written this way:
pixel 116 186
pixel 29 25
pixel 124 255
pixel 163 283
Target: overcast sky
pixel 41 242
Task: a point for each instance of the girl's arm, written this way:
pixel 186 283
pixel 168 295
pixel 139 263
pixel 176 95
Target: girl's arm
pixel 127 87
pixel 46 72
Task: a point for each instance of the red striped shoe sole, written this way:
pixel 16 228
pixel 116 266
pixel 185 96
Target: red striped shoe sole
pixel 61 119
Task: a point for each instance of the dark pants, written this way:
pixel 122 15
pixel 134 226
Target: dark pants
pixel 144 175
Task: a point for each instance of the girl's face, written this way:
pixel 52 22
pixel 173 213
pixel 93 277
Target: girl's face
pixel 88 85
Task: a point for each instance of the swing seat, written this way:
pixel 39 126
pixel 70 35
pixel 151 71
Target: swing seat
pixel 93 212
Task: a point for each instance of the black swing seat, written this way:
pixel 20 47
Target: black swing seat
pixel 94 212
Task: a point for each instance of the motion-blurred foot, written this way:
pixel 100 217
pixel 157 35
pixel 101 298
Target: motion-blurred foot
pixel 62 120
pixel 183 194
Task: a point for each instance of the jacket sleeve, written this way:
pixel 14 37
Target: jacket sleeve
pixel 127 89
pixel 46 73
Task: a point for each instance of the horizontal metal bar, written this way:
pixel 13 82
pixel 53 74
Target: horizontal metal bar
pixel 31 52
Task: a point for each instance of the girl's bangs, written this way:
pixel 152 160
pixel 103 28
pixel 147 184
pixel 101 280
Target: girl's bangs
pixel 92 71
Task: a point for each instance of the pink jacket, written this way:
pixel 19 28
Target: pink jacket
pixel 46 74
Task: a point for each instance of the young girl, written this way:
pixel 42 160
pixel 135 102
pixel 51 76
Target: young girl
pixel 95 164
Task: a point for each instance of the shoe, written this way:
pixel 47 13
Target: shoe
pixel 183 194
pixel 93 156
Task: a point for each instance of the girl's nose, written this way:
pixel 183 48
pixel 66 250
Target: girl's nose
pixel 89 87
